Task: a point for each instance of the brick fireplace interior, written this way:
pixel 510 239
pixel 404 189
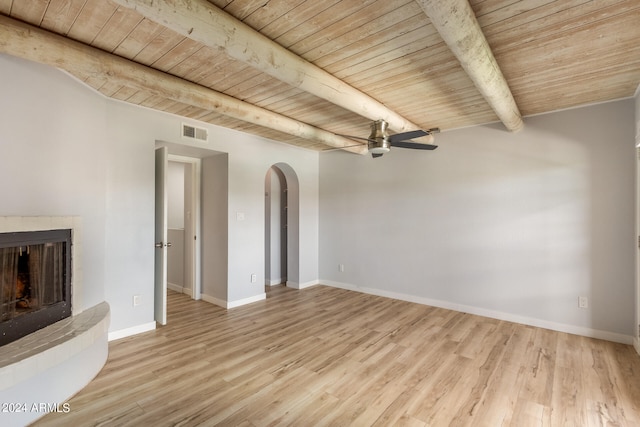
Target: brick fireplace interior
pixel 35 281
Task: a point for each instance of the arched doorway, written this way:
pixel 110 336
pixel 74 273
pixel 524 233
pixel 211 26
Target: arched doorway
pixel 281 226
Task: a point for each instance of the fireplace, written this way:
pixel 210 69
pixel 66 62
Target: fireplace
pixel 35 281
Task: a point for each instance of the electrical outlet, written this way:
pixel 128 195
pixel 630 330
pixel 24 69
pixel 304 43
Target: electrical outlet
pixel 254 278
pixel 583 302
pixel 137 300
pixel 341 268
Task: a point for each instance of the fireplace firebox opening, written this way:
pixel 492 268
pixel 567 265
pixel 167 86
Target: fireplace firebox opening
pixel 35 281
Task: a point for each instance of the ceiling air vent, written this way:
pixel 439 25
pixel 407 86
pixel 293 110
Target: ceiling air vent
pixel 194 132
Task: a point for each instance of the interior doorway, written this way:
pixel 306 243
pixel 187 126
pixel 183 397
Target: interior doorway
pixel 183 200
pixel 275 227
pixel 282 240
pixel 186 236
pixel 209 206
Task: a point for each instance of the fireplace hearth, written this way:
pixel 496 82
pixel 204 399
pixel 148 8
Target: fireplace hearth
pixel 35 281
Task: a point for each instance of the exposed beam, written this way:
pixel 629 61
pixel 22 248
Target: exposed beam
pixel 457 24
pixel 203 22
pixel 29 42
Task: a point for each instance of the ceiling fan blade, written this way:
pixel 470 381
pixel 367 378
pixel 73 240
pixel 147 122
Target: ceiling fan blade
pixel 414 145
pixel 407 135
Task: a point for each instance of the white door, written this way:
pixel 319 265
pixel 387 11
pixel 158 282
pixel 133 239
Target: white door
pixel 160 300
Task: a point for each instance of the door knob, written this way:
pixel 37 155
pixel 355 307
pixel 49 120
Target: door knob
pixel 159 245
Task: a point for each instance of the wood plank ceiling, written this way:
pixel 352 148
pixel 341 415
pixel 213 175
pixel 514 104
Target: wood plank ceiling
pixel 553 55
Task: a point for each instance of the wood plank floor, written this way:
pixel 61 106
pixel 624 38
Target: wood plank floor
pixel 330 357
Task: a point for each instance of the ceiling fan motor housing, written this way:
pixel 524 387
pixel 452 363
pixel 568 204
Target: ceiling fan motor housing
pixel 379 138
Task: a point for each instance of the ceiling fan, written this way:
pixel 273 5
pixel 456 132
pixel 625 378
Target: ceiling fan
pixel 380 142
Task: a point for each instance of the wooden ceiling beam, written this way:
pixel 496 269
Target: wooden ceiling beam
pixel 202 21
pixel 457 24
pixel 26 41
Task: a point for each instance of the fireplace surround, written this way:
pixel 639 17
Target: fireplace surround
pixel 65 355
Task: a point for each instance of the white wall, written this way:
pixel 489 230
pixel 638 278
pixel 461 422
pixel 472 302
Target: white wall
pixel 67 150
pixel 215 226
pixel 55 159
pixel 514 226
pixel 248 159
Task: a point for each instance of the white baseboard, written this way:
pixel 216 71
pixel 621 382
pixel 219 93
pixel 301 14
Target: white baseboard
pixel 509 317
pixel 233 304
pixel 245 301
pixel 174 287
pixel 214 300
pixel 123 333
pixel 180 289
pixel 273 282
pixel 296 285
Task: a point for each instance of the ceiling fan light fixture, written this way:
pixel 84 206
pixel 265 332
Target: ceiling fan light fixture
pixel 379 150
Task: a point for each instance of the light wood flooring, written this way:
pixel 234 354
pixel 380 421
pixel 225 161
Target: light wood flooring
pixel 330 357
